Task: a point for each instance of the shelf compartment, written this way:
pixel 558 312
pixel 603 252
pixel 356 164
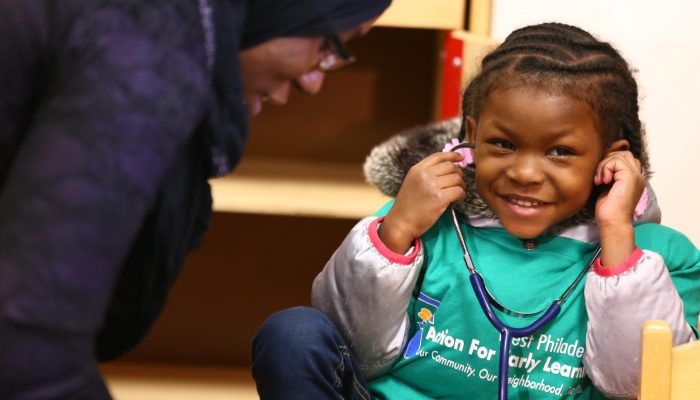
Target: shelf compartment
pixel 298 188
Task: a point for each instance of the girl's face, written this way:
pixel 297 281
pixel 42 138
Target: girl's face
pixel 536 154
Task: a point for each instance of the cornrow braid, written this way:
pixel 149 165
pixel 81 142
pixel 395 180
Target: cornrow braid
pixel 565 59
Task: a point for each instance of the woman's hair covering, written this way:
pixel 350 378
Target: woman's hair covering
pixel 268 19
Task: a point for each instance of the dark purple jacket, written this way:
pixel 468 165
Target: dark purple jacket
pixel 104 162
pixel 113 115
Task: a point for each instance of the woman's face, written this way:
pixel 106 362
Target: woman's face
pixel 271 68
pixel 536 154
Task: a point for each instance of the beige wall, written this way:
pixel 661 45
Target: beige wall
pixel 662 41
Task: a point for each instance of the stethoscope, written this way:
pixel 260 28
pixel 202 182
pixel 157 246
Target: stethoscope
pixel 488 302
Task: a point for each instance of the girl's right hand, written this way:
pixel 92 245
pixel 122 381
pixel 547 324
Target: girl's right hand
pixel 427 190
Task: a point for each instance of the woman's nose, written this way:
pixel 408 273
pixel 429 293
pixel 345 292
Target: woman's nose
pixel 310 82
pixel 280 94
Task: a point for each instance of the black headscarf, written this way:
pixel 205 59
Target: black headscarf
pixel 267 19
pixel 264 20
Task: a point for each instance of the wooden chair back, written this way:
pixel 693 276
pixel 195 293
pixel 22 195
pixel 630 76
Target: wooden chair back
pixel 667 372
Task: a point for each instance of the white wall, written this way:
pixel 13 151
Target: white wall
pixel 662 41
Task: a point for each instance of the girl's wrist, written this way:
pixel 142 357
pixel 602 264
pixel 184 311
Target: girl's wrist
pixel 617 242
pixel 393 237
pixel 616 224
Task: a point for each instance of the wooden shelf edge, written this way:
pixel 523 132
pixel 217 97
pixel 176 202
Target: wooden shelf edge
pixel 296 189
pixel 433 14
pixel 136 381
pixel 480 17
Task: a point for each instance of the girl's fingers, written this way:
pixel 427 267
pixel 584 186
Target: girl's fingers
pixel 613 163
pixel 437 164
pixel 450 180
pixel 609 168
pixel 604 171
pixel 446 168
pixel 454 194
pixel 440 157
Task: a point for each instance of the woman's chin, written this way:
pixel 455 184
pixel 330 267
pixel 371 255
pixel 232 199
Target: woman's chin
pixel 254 104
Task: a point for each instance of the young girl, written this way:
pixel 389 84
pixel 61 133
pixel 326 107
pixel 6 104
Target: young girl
pixel 559 168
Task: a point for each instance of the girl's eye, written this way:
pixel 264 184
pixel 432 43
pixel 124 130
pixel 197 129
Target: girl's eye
pixel 560 152
pixel 503 144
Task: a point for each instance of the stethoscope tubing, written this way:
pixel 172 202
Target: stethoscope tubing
pixel 507 332
pixel 487 302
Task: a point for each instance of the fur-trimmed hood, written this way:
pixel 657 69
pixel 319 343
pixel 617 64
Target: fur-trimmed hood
pixel 389 162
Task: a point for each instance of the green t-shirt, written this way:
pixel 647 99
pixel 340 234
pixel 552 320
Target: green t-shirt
pixel 453 349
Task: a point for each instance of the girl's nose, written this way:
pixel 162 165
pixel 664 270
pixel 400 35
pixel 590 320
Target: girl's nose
pixel 525 171
pixel 310 82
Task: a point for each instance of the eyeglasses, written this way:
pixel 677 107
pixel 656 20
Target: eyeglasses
pixel 334 55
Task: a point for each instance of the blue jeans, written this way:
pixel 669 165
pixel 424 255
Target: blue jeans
pixel 299 354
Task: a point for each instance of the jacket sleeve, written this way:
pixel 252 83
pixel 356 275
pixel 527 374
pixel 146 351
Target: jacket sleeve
pixel 365 289
pixel 617 304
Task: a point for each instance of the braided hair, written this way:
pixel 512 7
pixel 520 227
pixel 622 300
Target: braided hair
pixel 567 60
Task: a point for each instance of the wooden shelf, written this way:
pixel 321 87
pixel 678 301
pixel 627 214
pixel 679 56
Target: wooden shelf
pixel 296 188
pixel 432 14
pixel 133 381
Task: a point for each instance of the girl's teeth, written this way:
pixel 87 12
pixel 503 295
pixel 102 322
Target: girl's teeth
pixel 524 202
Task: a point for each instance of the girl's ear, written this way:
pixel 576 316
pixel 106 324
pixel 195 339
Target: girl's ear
pixel 618 145
pixel 471 129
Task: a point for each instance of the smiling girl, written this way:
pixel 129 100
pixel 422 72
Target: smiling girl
pixel 559 169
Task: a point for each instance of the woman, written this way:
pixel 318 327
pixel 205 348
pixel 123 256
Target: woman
pixel 113 115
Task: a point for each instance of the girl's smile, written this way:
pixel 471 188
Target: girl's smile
pixel 536 154
pixel 524 206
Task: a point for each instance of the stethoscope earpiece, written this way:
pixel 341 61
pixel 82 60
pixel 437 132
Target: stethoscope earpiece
pixel 463 148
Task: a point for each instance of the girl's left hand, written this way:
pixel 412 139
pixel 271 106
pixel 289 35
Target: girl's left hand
pixel 623 173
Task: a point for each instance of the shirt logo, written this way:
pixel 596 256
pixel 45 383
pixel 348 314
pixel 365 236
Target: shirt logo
pixel 426 315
